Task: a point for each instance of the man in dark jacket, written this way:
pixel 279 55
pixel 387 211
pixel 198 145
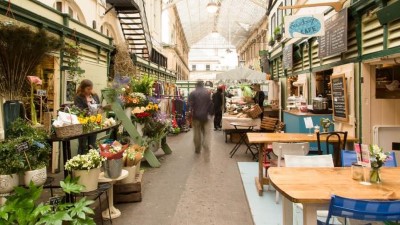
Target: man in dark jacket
pixel 218 100
pixel 259 98
pixel 202 108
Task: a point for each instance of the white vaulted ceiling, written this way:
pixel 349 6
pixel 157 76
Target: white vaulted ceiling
pixel 233 20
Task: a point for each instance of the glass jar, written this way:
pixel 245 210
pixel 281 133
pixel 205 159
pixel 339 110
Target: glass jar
pixel 357 172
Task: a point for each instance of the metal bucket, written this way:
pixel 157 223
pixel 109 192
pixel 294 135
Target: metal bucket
pixel 113 168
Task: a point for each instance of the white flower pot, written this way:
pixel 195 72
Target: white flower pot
pixel 139 128
pixel 38 177
pixel 88 178
pixel 8 183
pixel 131 175
pixel 128 112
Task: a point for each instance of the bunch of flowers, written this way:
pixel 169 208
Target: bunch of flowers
pixel 133 155
pixel 115 150
pixel 325 123
pixel 158 126
pixel 90 122
pixel 109 122
pixel 91 160
pixel 134 99
pixel 152 108
pixel 378 157
pixel 144 114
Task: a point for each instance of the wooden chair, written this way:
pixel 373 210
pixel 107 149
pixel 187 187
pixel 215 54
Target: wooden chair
pixel 337 139
pixel 285 149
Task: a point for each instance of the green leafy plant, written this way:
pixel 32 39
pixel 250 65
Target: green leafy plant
pixel 38 154
pixel 73 54
pixel 143 85
pixel 271 41
pixel 278 33
pixel 10 161
pixel 23 208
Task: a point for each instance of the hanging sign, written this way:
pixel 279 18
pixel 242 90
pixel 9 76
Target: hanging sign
pixel 287 58
pixel 335 39
pixel 304 26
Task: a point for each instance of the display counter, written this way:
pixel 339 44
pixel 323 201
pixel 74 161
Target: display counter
pixel 294 123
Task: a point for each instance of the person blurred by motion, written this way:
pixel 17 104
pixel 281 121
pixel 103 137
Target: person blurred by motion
pixel 202 109
pixel 218 101
pixel 89 101
pixel 259 98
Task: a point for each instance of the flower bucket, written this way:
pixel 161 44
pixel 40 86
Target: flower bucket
pixel 131 175
pixel 128 112
pixel 139 128
pixel 154 146
pixel 87 178
pixel 113 168
pixel 38 177
pixel 8 183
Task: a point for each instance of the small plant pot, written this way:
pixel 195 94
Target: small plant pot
pixel 8 183
pixel 38 177
pixel 113 168
pixel 271 43
pixel 87 178
pixel 131 175
pixel 278 37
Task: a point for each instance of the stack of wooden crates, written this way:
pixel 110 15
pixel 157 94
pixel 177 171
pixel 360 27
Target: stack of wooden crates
pixel 128 193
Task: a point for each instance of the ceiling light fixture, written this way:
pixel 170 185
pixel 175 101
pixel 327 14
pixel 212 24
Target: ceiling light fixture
pixel 212 7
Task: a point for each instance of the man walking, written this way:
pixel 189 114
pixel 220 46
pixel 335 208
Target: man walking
pixel 218 100
pixel 202 109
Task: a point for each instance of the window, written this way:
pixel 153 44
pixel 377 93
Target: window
pixel 59 6
pixel 71 12
pixel 101 29
pixel 273 24
pixel 193 67
pixel 208 67
pixel 288 3
pixel 280 16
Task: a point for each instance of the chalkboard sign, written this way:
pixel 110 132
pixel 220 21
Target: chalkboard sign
pixel 23 147
pixel 339 97
pixel 287 60
pixel 335 39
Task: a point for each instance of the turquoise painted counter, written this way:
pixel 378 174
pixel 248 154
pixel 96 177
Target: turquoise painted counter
pixel 294 123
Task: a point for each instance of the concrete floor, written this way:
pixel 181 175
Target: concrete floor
pixel 192 188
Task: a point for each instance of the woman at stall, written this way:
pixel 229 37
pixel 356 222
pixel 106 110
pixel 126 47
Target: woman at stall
pixel 259 98
pixel 86 99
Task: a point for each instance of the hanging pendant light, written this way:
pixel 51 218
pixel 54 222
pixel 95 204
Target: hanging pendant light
pixel 212 7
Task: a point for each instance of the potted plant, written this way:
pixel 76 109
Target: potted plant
pixel 113 154
pixel 132 158
pixel 32 145
pixel 278 34
pixel 271 41
pixel 23 207
pixel 10 165
pixel 87 168
pixel 72 53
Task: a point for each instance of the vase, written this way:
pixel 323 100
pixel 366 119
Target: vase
pixel 128 112
pixel 375 175
pixel 8 183
pixel 87 178
pixel 131 178
pixel 325 130
pixel 38 177
pixel 113 168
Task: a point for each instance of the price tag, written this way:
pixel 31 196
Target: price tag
pixel 308 122
pixel 55 201
pixel 23 147
pixel 41 92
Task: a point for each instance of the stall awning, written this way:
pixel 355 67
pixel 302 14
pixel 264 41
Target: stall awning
pixel 241 74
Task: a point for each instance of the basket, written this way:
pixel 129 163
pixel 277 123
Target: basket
pixel 254 112
pixel 68 131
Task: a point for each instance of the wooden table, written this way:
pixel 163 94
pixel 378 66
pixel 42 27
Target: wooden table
pixel 268 138
pixel 313 187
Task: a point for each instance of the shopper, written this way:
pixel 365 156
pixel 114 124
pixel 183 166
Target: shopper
pixel 202 109
pixel 259 98
pixel 86 99
pixel 218 100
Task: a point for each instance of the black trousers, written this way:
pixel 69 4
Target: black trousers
pixel 218 119
pixel 85 143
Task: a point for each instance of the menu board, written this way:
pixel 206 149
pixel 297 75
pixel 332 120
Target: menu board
pixel 287 57
pixel 335 40
pixel 339 97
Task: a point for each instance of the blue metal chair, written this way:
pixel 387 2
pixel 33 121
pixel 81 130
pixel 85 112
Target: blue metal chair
pixel 363 210
pixel 392 162
pixel 348 157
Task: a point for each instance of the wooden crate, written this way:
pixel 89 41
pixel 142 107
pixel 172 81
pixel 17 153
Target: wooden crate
pixel 128 193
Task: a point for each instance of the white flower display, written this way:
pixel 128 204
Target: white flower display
pixel 89 161
pixel 137 110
